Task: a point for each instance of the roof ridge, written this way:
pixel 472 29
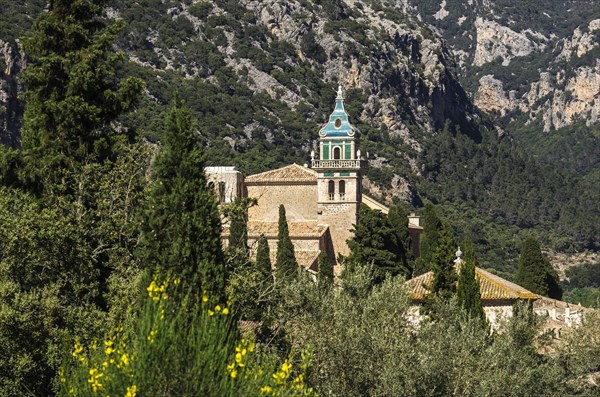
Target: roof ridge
pixel 485 274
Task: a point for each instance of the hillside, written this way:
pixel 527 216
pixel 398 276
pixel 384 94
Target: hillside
pixel 260 77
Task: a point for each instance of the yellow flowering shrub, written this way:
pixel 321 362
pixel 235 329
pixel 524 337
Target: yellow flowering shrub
pixel 185 346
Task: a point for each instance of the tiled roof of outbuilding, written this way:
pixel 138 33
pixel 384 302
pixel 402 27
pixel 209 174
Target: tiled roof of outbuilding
pixel 491 287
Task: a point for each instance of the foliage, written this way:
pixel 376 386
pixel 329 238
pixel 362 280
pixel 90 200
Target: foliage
pixel 376 242
pixel 181 224
pixel 535 272
pixel 364 345
pixel 429 238
pixel 186 347
pixel 71 91
pixel 286 265
pixel 325 275
pixel 442 264
pixel 263 258
pixel 468 289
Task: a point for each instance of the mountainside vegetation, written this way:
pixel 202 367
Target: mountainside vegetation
pixel 260 77
pixel 112 274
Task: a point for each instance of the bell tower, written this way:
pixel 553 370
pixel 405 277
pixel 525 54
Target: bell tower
pixel 339 168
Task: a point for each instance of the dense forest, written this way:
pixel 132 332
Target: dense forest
pixel 113 280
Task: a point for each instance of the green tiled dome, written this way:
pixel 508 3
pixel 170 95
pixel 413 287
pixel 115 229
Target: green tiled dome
pixel 338 125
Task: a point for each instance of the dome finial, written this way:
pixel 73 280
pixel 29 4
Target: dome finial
pixel 340 94
pixel 458 259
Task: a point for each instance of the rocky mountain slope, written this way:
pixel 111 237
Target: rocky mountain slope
pixel 261 75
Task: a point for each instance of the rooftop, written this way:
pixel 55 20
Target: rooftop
pixel 338 124
pixel 491 287
pixel 290 173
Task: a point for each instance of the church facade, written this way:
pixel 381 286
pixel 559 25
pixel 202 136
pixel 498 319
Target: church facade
pixel 321 200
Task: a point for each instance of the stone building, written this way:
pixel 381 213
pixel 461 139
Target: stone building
pixel 321 201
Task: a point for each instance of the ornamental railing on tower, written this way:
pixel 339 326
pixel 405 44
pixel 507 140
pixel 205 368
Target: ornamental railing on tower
pixel 338 163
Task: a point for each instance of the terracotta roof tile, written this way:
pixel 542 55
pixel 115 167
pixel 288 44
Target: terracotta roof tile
pixel 290 173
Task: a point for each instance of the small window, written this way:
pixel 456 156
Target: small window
pixel 331 190
pixel 342 190
pixel 337 123
pixel 337 153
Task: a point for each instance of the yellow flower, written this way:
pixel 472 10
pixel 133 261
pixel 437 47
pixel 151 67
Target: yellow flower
pixel 230 367
pixel 234 373
pixel 217 308
pixel 238 359
pixel 177 281
pixel 94 379
pixel 251 347
pixel 124 359
pixel 162 314
pixel 131 391
pixel 266 389
pixel 78 348
pixel 152 335
pixel 109 351
pixel 225 311
pixel 94 344
pixel 204 298
pixel 211 313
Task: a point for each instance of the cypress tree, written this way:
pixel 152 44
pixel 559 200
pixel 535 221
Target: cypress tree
pixel 181 232
pixel 468 290
pixel 325 275
pixel 71 90
pixel 442 264
pixel 535 271
pixel 238 253
pixel 286 265
pixel 429 239
pixel 263 258
pixel 398 220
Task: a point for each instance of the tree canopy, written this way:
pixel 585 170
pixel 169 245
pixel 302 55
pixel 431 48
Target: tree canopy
pixel 535 271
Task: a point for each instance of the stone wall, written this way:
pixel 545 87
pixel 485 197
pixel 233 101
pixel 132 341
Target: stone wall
pixel 299 201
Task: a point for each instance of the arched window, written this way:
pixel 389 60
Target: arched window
pixel 342 190
pixel 337 153
pixel 331 190
pixel 222 192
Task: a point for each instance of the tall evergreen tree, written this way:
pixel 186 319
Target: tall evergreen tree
pixel 468 290
pixel 263 258
pixel 398 220
pixel 286 264
pixel 535 271
pixel 325 275
pixel 181 223
pixel 375 242
pixel 238 253
pixel 429 239
pixel 442 264
pixel 71 90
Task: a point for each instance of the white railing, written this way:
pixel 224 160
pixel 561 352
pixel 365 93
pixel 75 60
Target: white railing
pixel 336 163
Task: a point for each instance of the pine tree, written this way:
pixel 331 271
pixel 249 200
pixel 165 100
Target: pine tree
pixel 286 265
pixel 181 223
pixel 325 275
pixel 71 90
pixel 263 258
pixel 535 272
pixel 442 264
pixel 468 290
pixel 375 242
